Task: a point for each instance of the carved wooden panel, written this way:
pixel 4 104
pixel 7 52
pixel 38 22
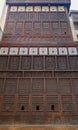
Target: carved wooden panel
pixel 73 62
pixel 13 16
pixel 28 29
pixel 37 103
pixel 62 63
pixel 52 103
pixel 10 86
pixel 37 86
pixel 13 63
pixel 65 86
pixel 1 85
pixel 19 28
pixel 75 86
pixel 23 103
pixel 38 63
pixel 50 63
pixel 22 16
pixel 26 62
pixel 67 104
pixel 24 86
pixel 3 62
pixel 8 104
pixel 9 29
pixel 51 86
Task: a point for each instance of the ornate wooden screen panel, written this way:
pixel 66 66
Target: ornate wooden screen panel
pixel 73 62
pixel 13 16
pixel 10 86
pixel 65 86
pixel 67 104
pixel 52 103
pixel 51 86
pixel 23 103
pixel 19 29
pixel 37 86
pixel 50 63
pixel 14 74
pixel 14 62
pixel 37 74
pixel 22 16
pixel 75 86
pixel 3 62
pixel 28 29
pixel 37 103
pixel 24 86
pixel 62 16
pixel 1 86
pixel 26 62
pixel 46 29
pixel 76 99
pixel 9 29
pixel 36 29
pixel 8 104
pixel 62 62
pixel 38 63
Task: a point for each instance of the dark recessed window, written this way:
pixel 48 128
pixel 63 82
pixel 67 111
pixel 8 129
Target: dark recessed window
pixel 22 108
pixel 64 32
pixel 52 107
pixel 37 107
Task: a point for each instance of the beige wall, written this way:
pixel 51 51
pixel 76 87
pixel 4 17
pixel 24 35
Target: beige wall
pixel 3 13
pixel 73 29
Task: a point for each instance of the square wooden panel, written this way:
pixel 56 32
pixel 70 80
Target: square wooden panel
pixel 19 28
pixel 50 63
pixel 22 103
pixel 62 63
pixel 37 62
pixel 73 62
pixel 8 104
pixel 52 103
pixel 9 28
pixel 26 62
pixel 10 86
pixel 24 86
pixel 51 86
pixel 75 85
pixel 67 104
pixel 65 86
pixel 37 103
pixel 1 86
pixel 13 63
pixel 3 62
pixel 37 86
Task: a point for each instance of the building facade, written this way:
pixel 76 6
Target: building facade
pixel 38 64
pixel 74 24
